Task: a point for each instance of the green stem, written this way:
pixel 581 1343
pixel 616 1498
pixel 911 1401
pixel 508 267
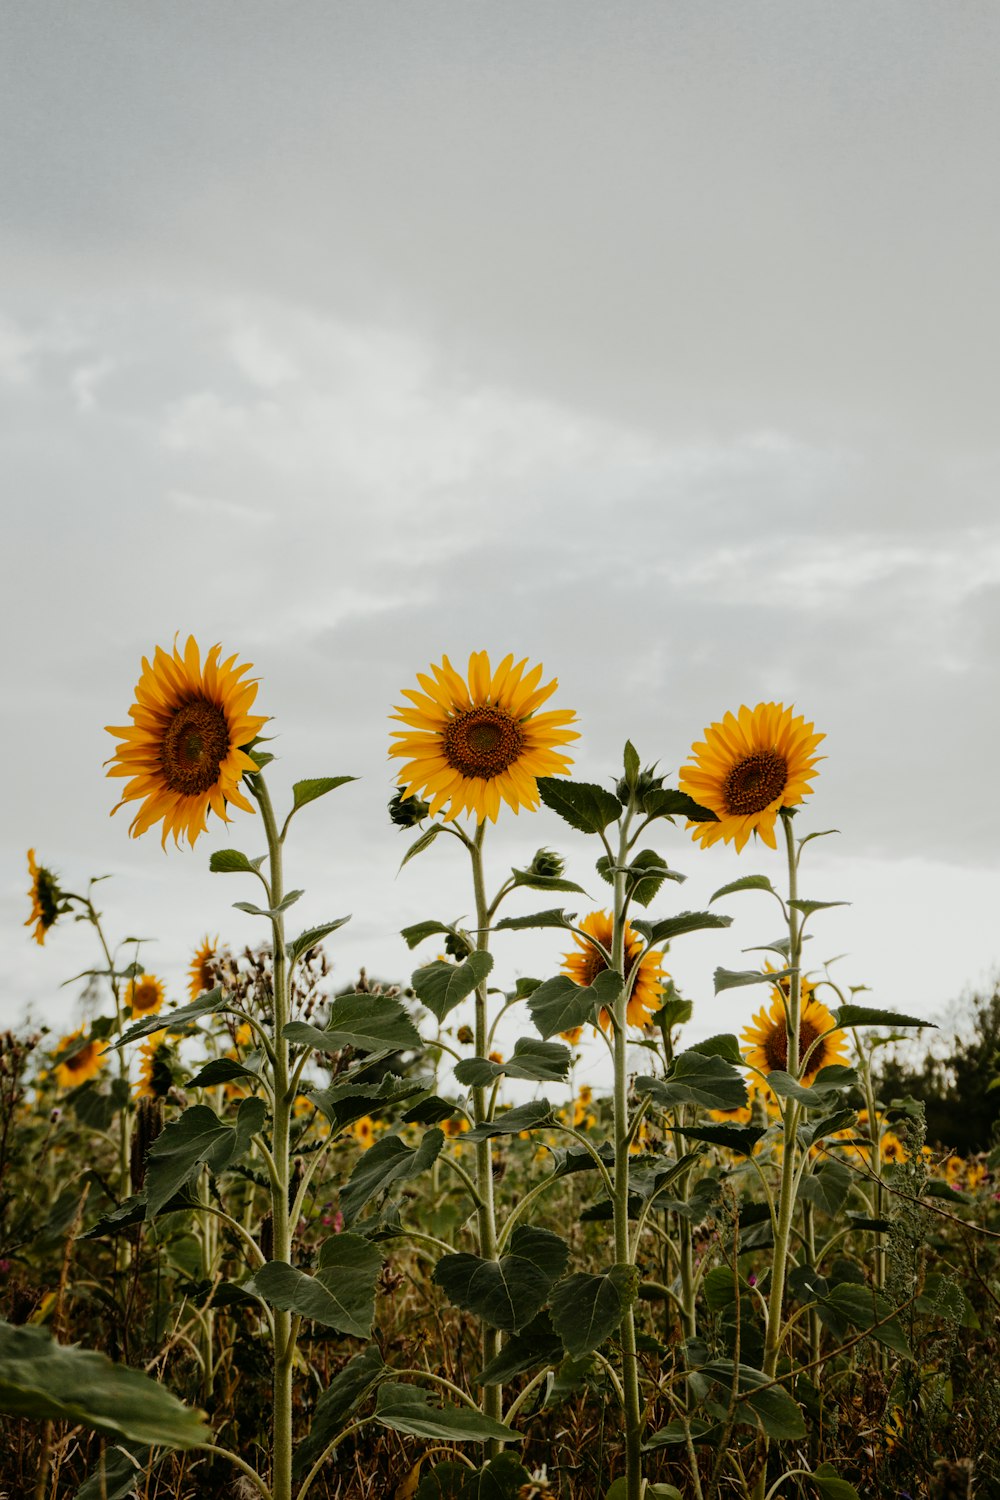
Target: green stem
pixel 284 1339
pixel 623 1252
pixel 486 1209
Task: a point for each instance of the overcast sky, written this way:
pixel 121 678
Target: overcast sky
pixel 654 341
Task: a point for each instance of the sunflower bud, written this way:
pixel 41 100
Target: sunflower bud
pixel 148 1125
pixel 407 812
pixel 457 946
pixel 647 781
pixel 548 864
pixel 466 1035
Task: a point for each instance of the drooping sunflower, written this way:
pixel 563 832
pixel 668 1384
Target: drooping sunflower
pixel 45 896
pixel 472 744
pixel 182 751
pixel 766 1038
pixel 585 963
pixel 80 1057
pixel 747 769
pixel 155 1075
pixel 201 974
pixel 144 994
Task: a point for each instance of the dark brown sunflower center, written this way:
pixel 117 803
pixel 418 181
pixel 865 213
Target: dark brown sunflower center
pixel 194 747
pixel 80 1060
pixel 593 964
pixel 754 782
pixel 482 742
pixel 776 1047
pixel 144 995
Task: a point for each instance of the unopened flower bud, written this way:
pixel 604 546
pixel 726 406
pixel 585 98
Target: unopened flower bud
pixel 407 812
pixel 547 863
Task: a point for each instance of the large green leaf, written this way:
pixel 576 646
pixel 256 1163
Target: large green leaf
pixel 665 802
pixel 512 1121
pixel 416 934
pixel 317 786
pixel 537 1344
pixel 828 1188
pixel 340 1295
pixel 406 1409
pixel 346 1102
pixel 731 979
pixel 864 1308
pixel 369 1023
pixel 741 1138
pixel 346 1390
pixel 695 1079
pixel 441 986
pixel 554 917
pixel 389 1160
pixel 541 1062
pixel 685 921
pixel 778 1413
pixel 198 1137
pixel 312 935
pixel 581 804
pixel 586 1309
pixel 560 1004
pixel 828 1481
pixel 817 1095
pixel 118 1475
pixel 43 1380
pixel 644 874
pixel 508 1292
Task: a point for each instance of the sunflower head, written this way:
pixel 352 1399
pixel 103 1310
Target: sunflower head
pixel 473 742
pixel 144 995
pixel 183 750
pixel 766 1039
pixel 747 769
pixel 364 1131
pixel 201 974
pixel 46 899
pixel 585 962
pixel 78 1058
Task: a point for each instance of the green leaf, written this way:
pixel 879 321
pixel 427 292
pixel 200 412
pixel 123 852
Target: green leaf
pixel 573 1159
pixel 545 882
pixel 673 1012
pixel 343 1103
pixel 664 802
pixel 778 1413
pixel 413 936
pixel 551 918
pixel 581 804
pixel 509 1292
pixel 631 761
pixel 864 1015
pixel 862 1308
pixel 829 1080
pixel 685 921
pixel 695 1079
pixel 503 1478
pixel 643 877
pixel 219 1070
pixel 731 979
pixel 44 1380
pixel 120 1474
pixel 389 1160
pixel 198 1137
pixel 513 1121
pixel 808 907
pixel 231 862
pixel 535 1345
pixel 741 1138
pixel 541 1062
pixel 177 1020
pixel 269 911
pixel 344 1394
pixel 430 1111
pixel 745 883
pixel 828 1188
pixel 308 791
pixel 341 1295
pixel 312 935
pixel 369 1023
pixel 725 1045
pixel 441 986
pixel 586 1309
pixel 560 1004
pixel 825 1478
pixel 423 842
pixel 405 1409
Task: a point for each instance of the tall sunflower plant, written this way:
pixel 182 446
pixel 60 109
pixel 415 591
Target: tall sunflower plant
pixel 753 770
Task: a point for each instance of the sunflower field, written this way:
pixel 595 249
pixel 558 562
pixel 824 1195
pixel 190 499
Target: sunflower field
pixel 292 1240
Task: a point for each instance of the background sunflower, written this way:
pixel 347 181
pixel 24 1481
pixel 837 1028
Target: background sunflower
pixel 584 963
pixel 767 1038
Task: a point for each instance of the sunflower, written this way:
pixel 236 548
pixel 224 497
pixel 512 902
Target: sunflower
pixel 45 897
pixel 201 974
pixel 472 744
pixel 891 1148
pixel 80 1057
pixel 584 966
pixel 747 769
pixel 144 995
pixel 767 1038
pixel 182 750
pixel 364 1131
pixel 155 1077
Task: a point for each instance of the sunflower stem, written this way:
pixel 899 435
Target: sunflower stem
pixel 623 1250
pixel 486 1209
pixel 790 1121
pixel 284 1335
